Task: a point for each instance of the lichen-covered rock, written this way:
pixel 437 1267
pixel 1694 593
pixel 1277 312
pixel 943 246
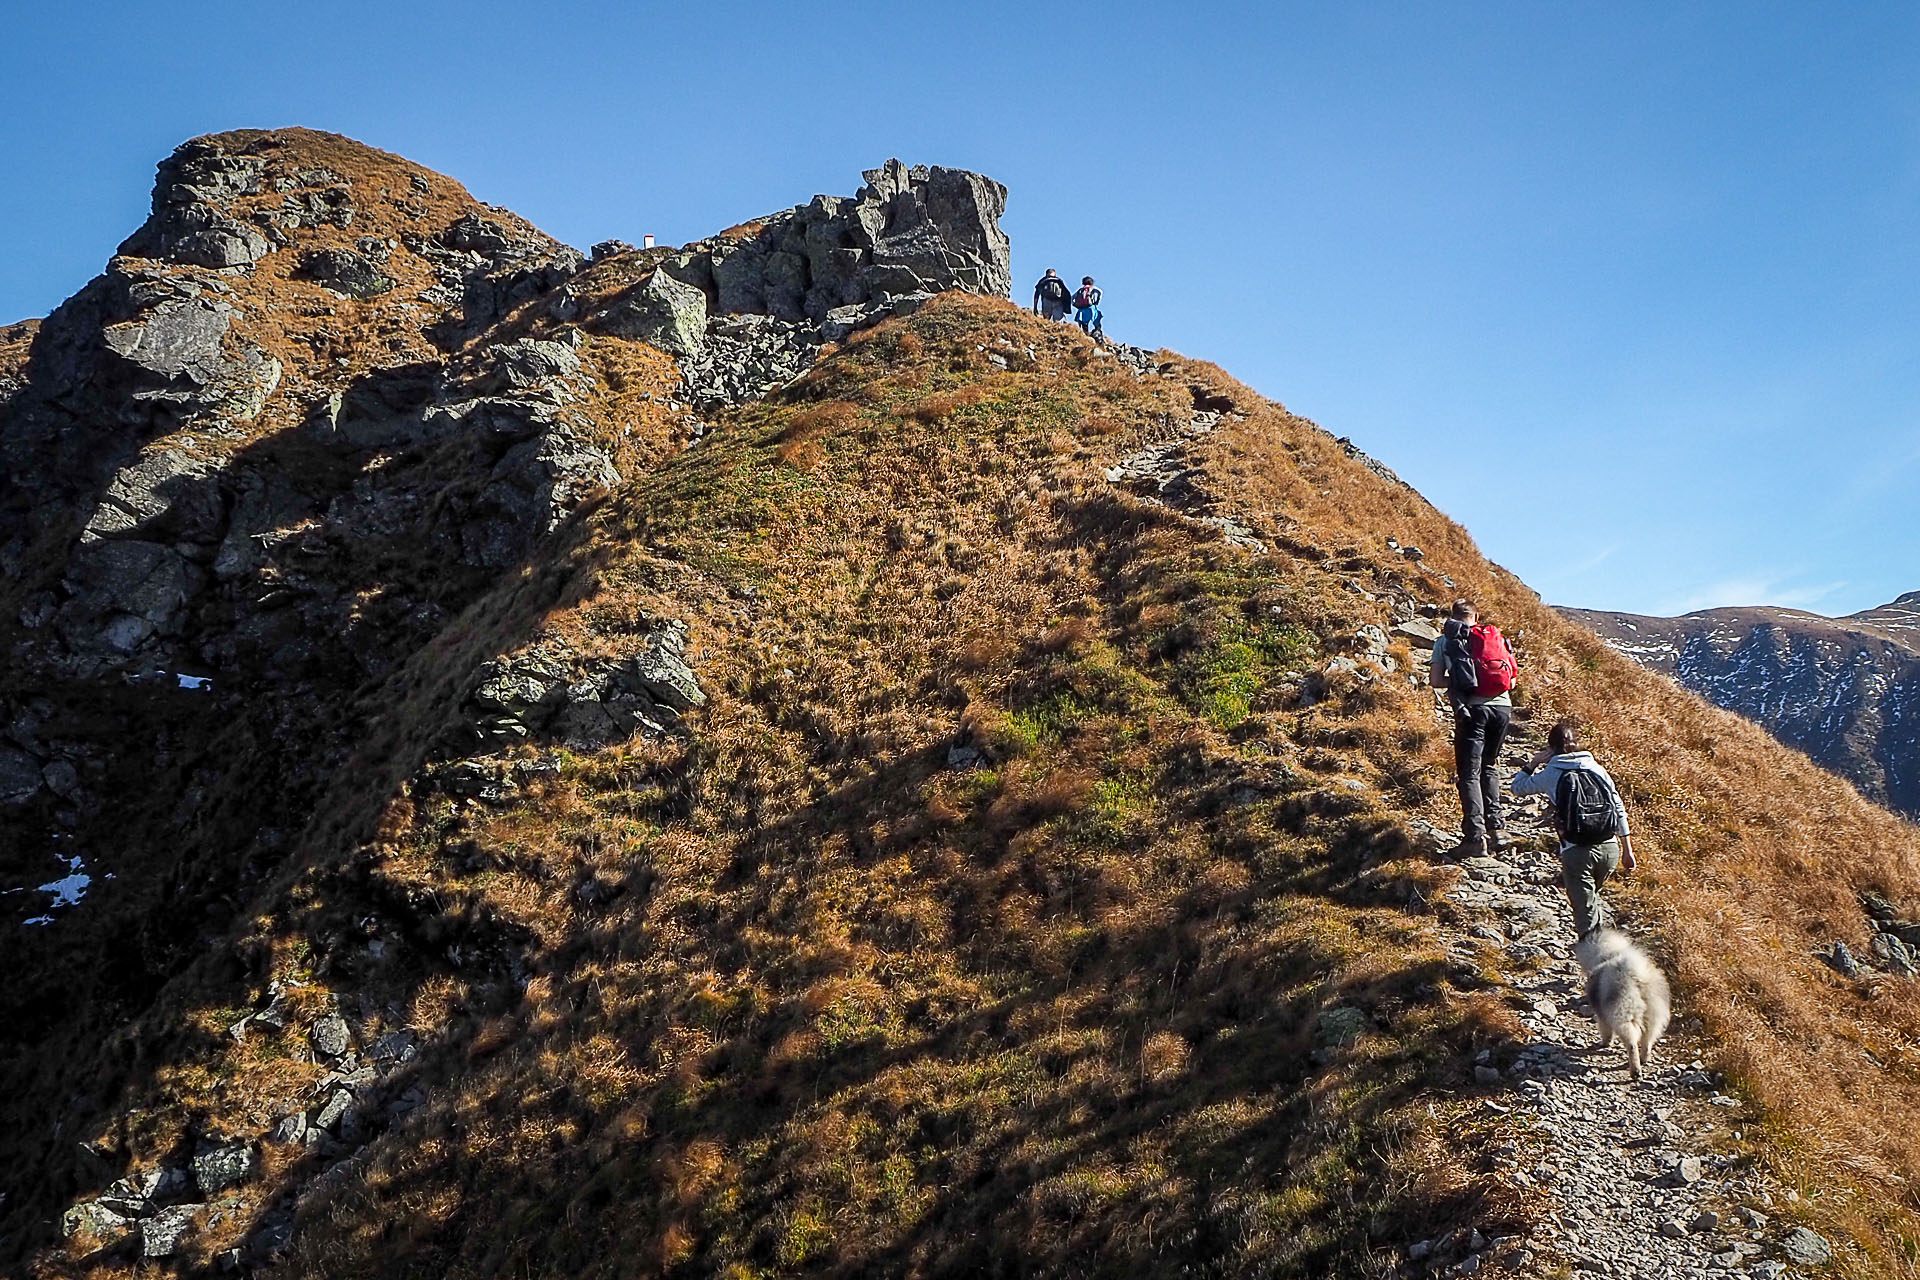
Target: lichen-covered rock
pixel 162 1235
pixel 218 1168
pixel 345 272
pixel 329 1036
pixel 1339 1026
pixel 662 310
pixel 94 1219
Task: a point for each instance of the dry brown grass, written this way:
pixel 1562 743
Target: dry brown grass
pixel 1751 856
pixel 850 1009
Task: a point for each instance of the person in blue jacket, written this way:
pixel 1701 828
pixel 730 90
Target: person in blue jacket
pixel 1086 307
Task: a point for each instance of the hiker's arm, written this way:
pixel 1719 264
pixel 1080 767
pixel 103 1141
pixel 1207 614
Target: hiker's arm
pixel 1532 782
pixel 1626 852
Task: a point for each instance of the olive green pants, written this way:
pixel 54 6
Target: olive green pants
pixel 1584 868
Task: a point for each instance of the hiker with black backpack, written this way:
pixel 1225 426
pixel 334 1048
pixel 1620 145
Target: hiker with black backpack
pixel 1589 815
pixel 1086 307
pixel 1051 297
pixel 1472 662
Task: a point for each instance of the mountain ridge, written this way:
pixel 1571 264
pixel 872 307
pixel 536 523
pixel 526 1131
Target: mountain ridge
pixel 1844 690
pixel 903 790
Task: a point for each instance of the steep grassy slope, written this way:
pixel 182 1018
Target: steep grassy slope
pixel 1034 892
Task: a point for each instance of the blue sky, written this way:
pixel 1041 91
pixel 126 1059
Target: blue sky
pixel 1629 290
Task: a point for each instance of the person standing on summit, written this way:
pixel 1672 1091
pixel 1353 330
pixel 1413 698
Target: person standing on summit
pixel 1086 307
pixel 1476 668
pixel 1051 296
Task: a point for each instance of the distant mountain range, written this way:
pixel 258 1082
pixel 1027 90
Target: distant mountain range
pixel 1844 690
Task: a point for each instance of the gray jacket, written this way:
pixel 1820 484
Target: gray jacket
pixel 1545 780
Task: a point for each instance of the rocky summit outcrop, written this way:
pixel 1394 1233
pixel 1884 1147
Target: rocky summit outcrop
pixel 324 415
pixel 1844 690
pixel 747 310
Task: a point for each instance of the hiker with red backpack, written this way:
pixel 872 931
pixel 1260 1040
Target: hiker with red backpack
pixel 1589 815
pixel 1086 307
pixel 1476 668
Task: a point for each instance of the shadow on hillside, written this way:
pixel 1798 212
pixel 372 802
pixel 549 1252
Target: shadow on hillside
pixel 1252 1049
pixel 335 670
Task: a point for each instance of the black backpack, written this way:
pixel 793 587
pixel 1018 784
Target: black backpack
pixel 1054 289
pixel 1584 806
pixel 1463 673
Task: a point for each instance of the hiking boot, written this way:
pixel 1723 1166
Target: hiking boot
pixel 1471 847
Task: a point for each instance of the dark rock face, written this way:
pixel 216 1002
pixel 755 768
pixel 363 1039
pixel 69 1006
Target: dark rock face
pixel 486 270
pixel 746 315
pixel 347 273
pixel 1844 690
pixel 908 231
pixel 190 223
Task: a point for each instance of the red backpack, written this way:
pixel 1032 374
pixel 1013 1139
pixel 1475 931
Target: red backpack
pixel 1493 659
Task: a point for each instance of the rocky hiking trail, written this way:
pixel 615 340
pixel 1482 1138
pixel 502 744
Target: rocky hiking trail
pixel 1631 1178
pixel 1623 1177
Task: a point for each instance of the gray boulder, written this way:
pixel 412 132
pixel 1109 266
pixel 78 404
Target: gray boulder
pixel 663 311
pixel 349 274
pixel 123 593
pixel 943 225
pixel 1894 954
pixel 162 1235
pixel 479 235
pixel 530 362
pixel 1840 959
pixel 1418 633
pixel 167 496
pixel 329 1036
pixel 909 230
pixel 544 693
pixel 1336 1028
pixel 20 776
pixel 192 194
pixel 96 1220
pixel 1807 1248
pixel 177 340
pixel 200 235
pixel 174 359
pixel 661 669
pixel 218 1168
pixel 532 490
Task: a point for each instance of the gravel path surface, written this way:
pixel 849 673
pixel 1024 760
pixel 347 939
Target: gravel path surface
pixel 1631 1171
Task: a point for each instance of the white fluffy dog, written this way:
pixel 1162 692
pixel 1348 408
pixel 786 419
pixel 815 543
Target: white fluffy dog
pixel 1628 993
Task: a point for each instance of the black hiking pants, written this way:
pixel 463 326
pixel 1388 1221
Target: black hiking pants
pixel 1478 734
